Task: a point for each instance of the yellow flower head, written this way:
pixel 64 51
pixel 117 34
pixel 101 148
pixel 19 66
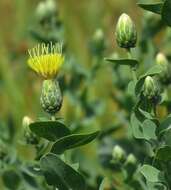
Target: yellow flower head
pixel 46 60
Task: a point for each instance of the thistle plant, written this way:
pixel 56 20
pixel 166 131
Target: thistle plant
pixel 147 91
pixel 46 61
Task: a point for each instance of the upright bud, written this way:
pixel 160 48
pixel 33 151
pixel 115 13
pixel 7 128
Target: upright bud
pixel 51 96
pixel 164 76
pixel 46 9
pixel 131 159
pixel 126 34
pixel 29 137
pixel 161 59
pixel 98 42
pixel 151 89
pixel 118 154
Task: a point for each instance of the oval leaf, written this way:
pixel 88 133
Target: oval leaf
pixel 61 175
pixel 136 127
pixel 164 153
pixel 50 130
pixel 130 62
pixel 72 141
pixel 151 174
pixel 149 130
pixel 155 7
pixel 166 12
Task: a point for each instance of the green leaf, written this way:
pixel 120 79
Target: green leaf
pixel 131 88
pixel 50 130
pixel 102 185
pixel 136 127
pixel 166 12
pixel 155 7
pixel 147 115
pixel 11 179
pixel 61 175
pixel 151 174
pixel 149 130
pixel 72 141
pixel 156 186
pixel 153 71
pixel 164 153
pixel 165 125
pixel 130 62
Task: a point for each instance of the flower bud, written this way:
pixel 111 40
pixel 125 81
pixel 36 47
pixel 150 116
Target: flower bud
pixel 98 42
pixel 29 137
pixel 131 159
pixel 26 121
pixel 151 89
pixel 51 96
pixel 161 59
pixel 126 34
pixel 164 76
pixel 118 154
pixel 45 9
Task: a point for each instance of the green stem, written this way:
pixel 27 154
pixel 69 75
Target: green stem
pixel 133 69
pixel 53 118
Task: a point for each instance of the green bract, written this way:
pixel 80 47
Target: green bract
pixel 126 35
pixel 150 88
pixel 51 97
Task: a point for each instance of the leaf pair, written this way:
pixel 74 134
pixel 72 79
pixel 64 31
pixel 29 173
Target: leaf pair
pixel 57 132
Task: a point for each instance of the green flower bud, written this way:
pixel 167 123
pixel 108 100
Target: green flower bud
pixel 118 154
pixel 51 96
pixel 29 137
pixel 151 89
pixel 45 9
pixel 26 121
pixel 126 34
pixel 161 59
pixel 98 42
pixel 164 76
pixel 131 159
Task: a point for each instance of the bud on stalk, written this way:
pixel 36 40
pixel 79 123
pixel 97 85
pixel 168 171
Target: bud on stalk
pixel 126 34
pixel 29 137
pixel 151 90
pixel 118 154
pixel 164 76
pixel 51 96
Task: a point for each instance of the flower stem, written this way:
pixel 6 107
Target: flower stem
pixel 133 68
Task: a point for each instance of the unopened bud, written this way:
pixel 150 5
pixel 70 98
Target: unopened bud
pixel 45 9
pixel 51 96
pixel 161 59
pixel 118 154
pixel 131 159
pixel 26 121
pixel 29 137
pixel 126 34
pixel 98 41
pixel 164 76
pixel 150 88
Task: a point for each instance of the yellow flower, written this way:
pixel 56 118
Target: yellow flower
pixel 46 60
